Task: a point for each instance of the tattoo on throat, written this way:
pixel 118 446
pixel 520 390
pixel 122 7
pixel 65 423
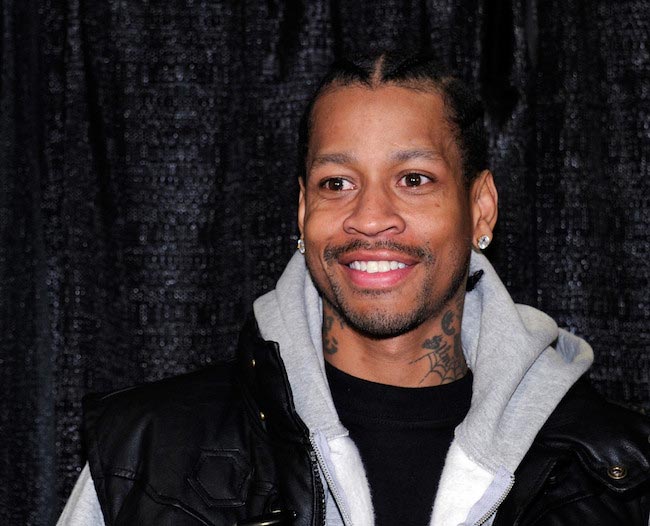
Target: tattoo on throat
pixel 330 318
pixel 447 323
pixel 330 344
pixel 444 353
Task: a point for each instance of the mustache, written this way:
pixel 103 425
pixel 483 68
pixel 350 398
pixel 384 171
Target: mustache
pixel 332 254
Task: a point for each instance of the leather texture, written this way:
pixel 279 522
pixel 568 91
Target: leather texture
pixel 225 446
pixel 589 465
pixel 195 449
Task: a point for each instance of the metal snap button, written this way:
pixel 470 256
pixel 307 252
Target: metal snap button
pixel 617 472
pixel 262 416
pixel 253 362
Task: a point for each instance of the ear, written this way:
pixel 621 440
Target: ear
pixel 301 206
pixel 484 200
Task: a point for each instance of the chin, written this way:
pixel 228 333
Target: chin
pixel 379 324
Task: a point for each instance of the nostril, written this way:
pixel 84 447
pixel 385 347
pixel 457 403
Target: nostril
pixel 371 220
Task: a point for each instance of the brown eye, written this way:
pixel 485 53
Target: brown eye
pixel 336 184
pixel 414 179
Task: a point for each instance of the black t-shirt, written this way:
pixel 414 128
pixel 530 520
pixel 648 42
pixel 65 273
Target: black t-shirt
pixel 403 435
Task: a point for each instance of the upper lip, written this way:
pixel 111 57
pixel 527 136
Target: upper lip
pixel 376 255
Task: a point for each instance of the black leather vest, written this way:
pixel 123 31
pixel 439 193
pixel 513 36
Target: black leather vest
pixel 220 446
pixel 224 446
pixel 589 465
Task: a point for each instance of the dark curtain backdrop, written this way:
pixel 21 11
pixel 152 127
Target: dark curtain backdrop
pixel 148 185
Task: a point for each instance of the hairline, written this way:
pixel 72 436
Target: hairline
pixel 376 82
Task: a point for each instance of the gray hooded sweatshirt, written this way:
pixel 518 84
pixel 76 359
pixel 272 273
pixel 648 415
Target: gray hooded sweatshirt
pixel 522 366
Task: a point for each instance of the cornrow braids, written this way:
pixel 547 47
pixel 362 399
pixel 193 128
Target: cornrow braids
pixel 464 111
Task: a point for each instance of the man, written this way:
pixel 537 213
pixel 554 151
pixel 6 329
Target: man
pixel 389 378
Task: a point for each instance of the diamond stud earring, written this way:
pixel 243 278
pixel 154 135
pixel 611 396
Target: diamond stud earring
pixel 301 246
pixel 483 242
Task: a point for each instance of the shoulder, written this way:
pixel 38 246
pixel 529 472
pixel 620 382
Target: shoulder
pixel 590 464
pixel 172 434
pixel 179 403
pixel 212 383
pixel 167 411
pixel 611 441
pixel 188 395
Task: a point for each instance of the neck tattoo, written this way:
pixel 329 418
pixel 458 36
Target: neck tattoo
pixel 330 343
pixel 443 353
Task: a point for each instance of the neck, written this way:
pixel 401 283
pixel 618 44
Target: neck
pixel 428 355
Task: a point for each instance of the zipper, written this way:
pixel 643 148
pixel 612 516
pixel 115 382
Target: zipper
pixel 493 509
pixel 318 483
pixel 330 481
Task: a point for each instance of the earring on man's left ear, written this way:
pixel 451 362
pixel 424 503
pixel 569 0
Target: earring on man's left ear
pixel 483 242
pixel 301 246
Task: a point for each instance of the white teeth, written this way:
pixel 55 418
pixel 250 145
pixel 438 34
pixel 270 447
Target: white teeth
pixel 371 267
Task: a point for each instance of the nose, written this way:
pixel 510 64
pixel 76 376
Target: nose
pixel 375 213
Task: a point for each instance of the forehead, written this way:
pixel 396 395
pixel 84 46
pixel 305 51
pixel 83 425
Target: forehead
pixel 379 120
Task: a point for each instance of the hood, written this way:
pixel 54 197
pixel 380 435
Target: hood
pixel 292 316
pixel 521 362
pixel 523 366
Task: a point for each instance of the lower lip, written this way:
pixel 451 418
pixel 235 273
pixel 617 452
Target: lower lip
pixel 377 280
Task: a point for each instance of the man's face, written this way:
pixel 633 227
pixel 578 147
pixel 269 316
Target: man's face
pixel 384 211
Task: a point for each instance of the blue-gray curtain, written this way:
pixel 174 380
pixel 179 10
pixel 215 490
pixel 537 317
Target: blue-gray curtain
pixel 148 186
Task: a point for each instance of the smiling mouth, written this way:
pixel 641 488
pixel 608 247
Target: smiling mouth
pixel 372 267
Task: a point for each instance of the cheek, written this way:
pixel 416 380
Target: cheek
pixel 319 226
pixel 316 238
pixel 320 273
pixel 448 224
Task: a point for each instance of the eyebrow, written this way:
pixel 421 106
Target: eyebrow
pixel 408 155
pixel 398 156
pixel 332 158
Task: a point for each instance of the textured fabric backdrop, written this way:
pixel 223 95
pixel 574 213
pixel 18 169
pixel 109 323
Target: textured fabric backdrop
pixel 148 185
